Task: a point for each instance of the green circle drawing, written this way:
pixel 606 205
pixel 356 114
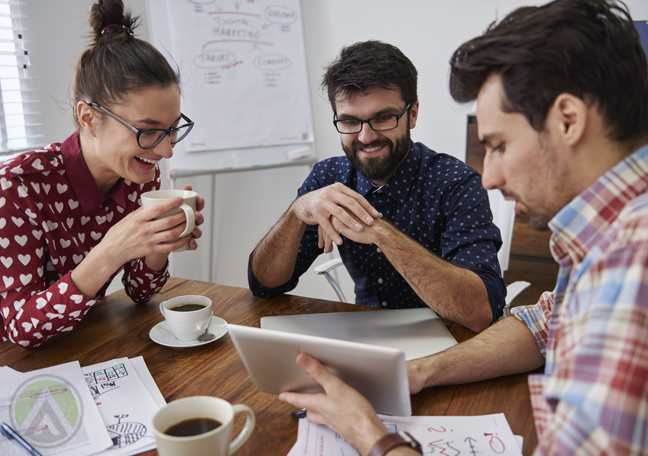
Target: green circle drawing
pixel 48 410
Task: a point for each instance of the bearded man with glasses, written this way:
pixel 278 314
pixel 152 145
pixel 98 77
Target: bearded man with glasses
pixel 417 224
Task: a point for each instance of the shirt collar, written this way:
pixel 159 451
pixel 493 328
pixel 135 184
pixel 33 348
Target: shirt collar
pixel 401 180
pixel 81 179
pixel 579 225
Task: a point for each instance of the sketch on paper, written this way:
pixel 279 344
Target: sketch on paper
pixel 125 433
pixel 103 381
pixel 246 84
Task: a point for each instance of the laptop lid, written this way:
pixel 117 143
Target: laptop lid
pixel 378 373
pixel 417 332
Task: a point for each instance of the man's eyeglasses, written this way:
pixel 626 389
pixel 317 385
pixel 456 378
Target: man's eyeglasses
pixel 379 123
pixel 150 137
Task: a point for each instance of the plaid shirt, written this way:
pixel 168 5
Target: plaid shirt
pixel 593 328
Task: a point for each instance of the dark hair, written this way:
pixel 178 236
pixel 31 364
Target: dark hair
pixel 117 63
pixel 588 48
pixel 369 65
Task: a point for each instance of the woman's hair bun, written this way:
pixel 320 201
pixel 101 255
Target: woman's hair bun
pixel 110 22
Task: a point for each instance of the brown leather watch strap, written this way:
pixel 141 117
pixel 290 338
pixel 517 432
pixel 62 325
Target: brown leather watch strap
pixel 389 441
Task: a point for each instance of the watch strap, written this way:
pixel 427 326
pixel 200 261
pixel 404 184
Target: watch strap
pixel 390 441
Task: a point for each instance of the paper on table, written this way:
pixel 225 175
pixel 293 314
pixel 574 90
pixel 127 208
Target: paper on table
pixel 125 403
pixel 486 434
pixel 53 410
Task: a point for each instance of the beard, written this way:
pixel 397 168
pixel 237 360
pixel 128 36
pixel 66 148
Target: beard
pixel 379 168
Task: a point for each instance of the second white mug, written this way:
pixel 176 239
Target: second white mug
pixel 188 207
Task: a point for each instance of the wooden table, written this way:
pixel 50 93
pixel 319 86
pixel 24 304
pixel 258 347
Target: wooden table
pixel 118 328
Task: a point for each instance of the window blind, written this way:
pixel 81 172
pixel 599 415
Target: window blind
pixel 18 108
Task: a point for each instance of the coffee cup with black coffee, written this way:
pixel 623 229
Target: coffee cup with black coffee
pixel 187 316
pixel 200 426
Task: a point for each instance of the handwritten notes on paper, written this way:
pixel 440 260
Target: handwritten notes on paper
pixel 444 435
pixel 244 72
pixel 59 413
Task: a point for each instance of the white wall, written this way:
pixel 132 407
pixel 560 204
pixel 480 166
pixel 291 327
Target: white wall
pixel 245 205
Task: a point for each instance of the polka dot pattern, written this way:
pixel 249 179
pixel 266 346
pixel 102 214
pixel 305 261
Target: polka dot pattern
pixel 435 199
pixel 52 215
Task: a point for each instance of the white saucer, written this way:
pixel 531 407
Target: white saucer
pixel 162 335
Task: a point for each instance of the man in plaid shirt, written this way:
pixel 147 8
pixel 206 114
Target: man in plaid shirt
pixel 562 110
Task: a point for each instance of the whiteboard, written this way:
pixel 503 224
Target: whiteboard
pixel 244 82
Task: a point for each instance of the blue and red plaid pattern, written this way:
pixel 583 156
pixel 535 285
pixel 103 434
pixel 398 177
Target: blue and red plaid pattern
pixel 593 328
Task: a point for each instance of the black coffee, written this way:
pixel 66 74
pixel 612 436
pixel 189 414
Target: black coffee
pixel 194 426
pixel 188 307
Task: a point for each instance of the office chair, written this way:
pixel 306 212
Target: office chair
pixel 503 217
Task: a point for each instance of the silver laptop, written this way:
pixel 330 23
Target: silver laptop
pixel 416 332
pixel 378 373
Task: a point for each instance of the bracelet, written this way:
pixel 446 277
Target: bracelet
pixel 390 441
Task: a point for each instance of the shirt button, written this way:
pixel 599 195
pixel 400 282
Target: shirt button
pixel 262 293
pixel 379 214
pixel 378 250
pixel 384 303
pixel 380 280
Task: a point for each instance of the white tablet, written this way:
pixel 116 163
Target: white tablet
pixel 378 373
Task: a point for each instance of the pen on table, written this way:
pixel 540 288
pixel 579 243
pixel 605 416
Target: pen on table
pixel 8 432
pixel 301 413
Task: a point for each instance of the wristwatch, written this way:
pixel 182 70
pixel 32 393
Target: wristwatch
pixel 389 441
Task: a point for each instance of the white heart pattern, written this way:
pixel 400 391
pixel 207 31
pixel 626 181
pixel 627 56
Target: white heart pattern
pixel 62 287
pixel 84 220
pixel 27 326
pixel 59 206
pixel 22 240
pixel 7 261
pixel 25 278
pixel 70 222
pixel 46 187
pixel 100 219
pixel 77 298
pixel 77 258
pixel 3 222
pixel 5 184
pixel 37 234
pixel 37 165
pixel 40 303
pixel 62 188
pixel 8 281
pixel 73 204
pixel 60 308
pixel 18 304
pixel 95 236
pixel 65 243
pixel 36 187
pixel 17 221
pixel 4 243
pixel 132 196
pixel 24 259
pixel 2 201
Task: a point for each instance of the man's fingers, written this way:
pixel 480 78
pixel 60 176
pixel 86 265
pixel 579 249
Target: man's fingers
pixel 316 370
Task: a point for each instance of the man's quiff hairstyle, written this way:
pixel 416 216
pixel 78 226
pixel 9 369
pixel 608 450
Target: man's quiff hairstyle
pixel 368 65
pixel 588 48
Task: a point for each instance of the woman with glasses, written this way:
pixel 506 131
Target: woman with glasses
pixel 70 216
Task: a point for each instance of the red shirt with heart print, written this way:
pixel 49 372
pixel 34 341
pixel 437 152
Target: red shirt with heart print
pixel 51 215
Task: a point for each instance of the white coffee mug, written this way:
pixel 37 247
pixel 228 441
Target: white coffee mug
pixel 188 207
pixel 212 443
pixel 187 326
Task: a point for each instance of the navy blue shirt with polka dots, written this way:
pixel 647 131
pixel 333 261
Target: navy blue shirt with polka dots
pixel 436 200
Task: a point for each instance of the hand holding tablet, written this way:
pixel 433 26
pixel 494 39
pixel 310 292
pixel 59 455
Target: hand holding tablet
pixel 378 373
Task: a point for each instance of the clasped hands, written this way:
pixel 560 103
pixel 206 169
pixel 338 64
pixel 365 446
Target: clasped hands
pixel 337 210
